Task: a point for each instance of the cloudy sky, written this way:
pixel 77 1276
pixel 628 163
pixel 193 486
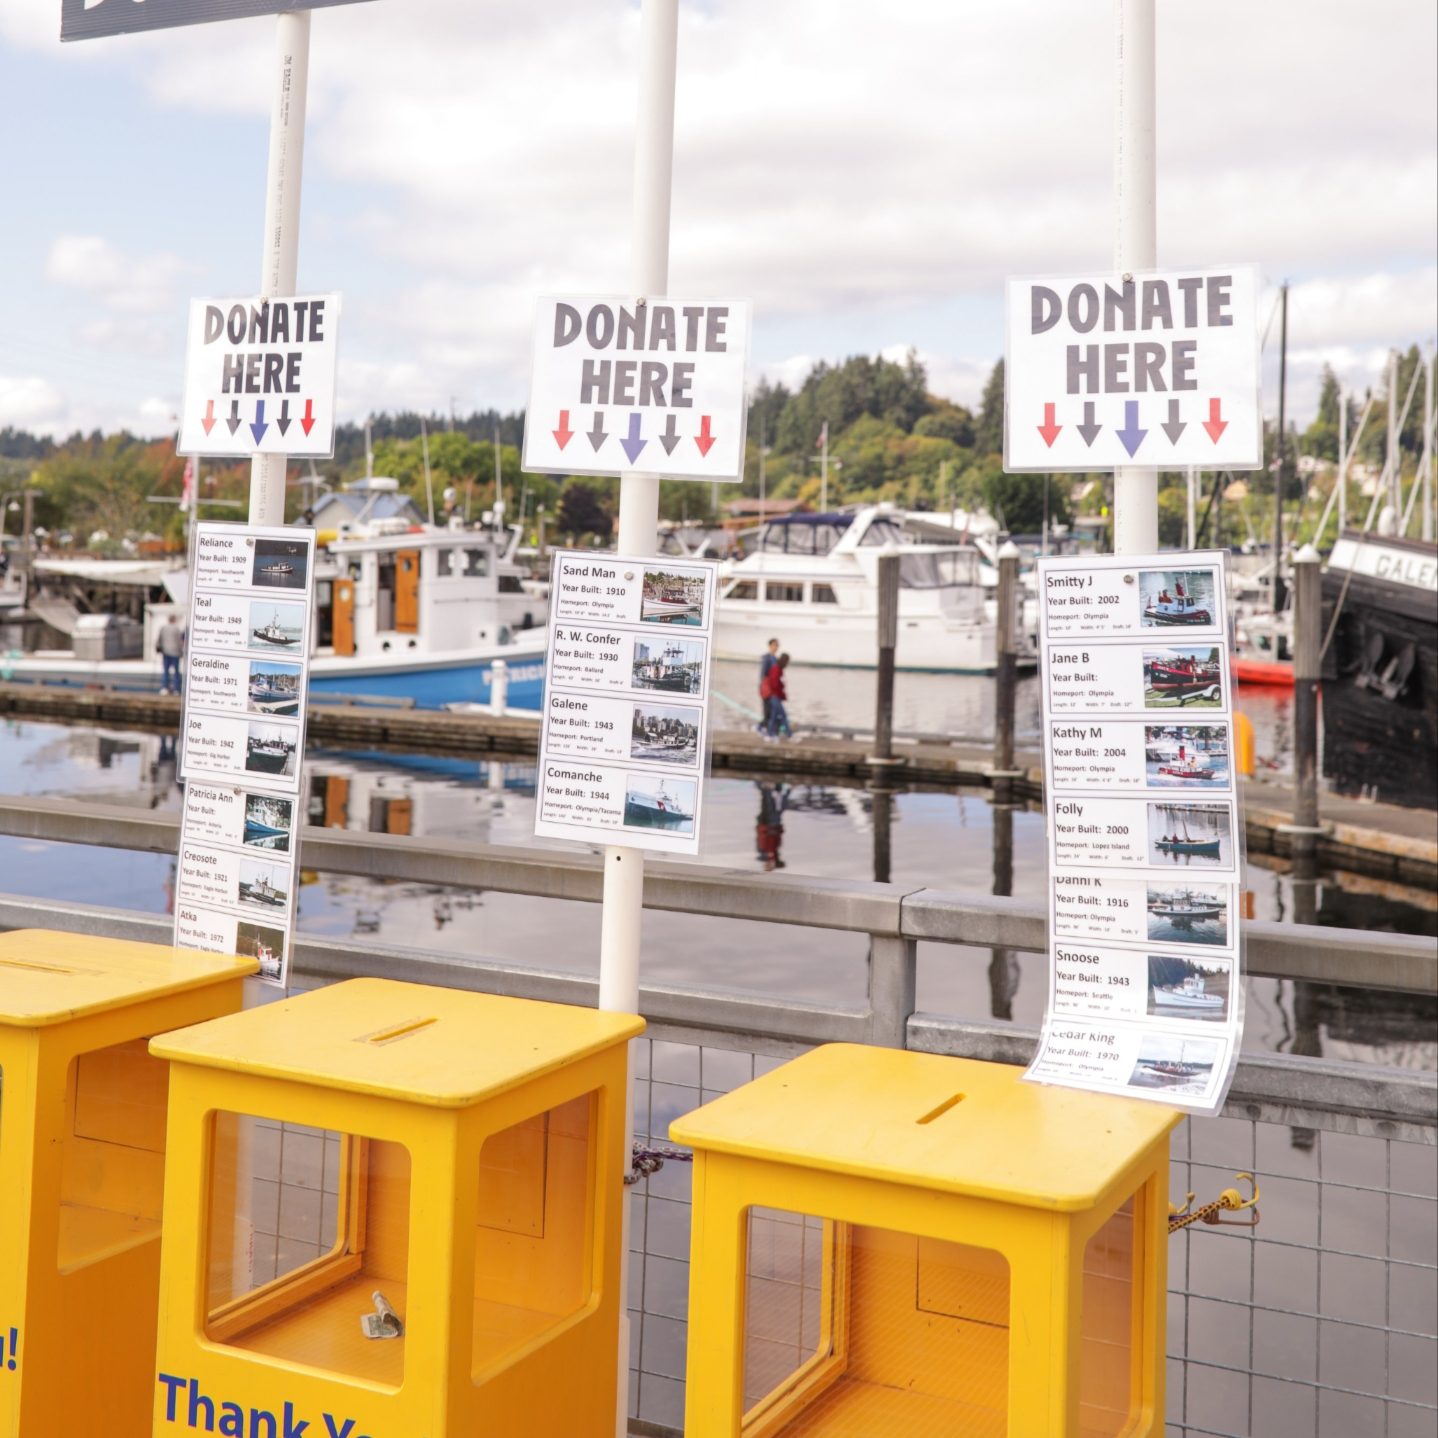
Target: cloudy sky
pixel 866 174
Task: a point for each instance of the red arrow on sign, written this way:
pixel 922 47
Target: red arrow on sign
pixel 209 419
pixel 1048 428
pixel 308 421
pixel 563 434
pixel 704 439
pixel 1215 424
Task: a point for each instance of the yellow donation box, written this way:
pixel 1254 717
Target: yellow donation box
pixel 892 1243
pixel 82 1162
pixel 393 1211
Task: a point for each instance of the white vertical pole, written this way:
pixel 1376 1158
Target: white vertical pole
pixel 279 260
pixel 622 912
pixel 280 252
pixel 824 473
pixel 1395 482
pixel 1428 447
pixel 1342 480
pixel 1135 491
pixel 428 476
pixel 498 488
pixel 1192 507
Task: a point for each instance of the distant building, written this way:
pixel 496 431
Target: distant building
pixel 363 502
pixel 761 508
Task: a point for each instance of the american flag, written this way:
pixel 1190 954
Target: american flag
pixel 187 484
pixel 823 436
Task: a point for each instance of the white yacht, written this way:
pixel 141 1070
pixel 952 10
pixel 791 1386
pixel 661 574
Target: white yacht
pixel 812 579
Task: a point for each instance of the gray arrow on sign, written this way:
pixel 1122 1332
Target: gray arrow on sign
pixel 94 19
pixel 598 435
pixel 1088 428
pixel 1173 426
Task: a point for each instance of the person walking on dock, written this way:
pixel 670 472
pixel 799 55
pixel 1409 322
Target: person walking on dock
pixel 170 645
pixel 767 660
pixel 776 718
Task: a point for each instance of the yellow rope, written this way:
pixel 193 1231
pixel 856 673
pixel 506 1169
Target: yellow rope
pixel 1230 1200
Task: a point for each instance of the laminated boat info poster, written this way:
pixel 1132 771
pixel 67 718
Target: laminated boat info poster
pixel 624 742
pixel 1145 831
pixel 246 680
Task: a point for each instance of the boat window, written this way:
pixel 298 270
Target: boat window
pixel 745 589
pixel 510 584
pixel 446 563
pixel 824 594
pixel 476 563
pixel 938 571
pixel 801 537
pixel 882 531
pixel 784 593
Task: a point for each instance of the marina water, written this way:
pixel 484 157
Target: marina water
pixel 946 839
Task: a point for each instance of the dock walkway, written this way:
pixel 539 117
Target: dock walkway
pixel 1380 840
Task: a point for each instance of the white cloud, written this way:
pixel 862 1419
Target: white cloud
pixel 126 284
pixel 836 161
pixel 29 402
pixel 1377 308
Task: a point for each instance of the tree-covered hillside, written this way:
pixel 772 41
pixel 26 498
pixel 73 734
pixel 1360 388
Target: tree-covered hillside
pixel 889 438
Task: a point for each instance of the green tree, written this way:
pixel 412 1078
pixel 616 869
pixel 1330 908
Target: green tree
pixel 989 430
pixel 104 483
pixel 584 509
pixel 766 404
pixel 1017 501
pixel 1321 437
pixel 946 420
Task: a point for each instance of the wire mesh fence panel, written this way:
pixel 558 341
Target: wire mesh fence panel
pixel 1321 1322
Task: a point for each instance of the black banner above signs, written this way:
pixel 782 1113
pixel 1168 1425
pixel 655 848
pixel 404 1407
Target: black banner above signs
pixel 94 19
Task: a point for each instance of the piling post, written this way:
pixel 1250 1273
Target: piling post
pixel 1307 649
pixel 882 813
pixel 1003 963
pixel 1005 672
pixel 883 755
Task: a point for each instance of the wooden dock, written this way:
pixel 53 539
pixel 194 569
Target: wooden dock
pixel 1382 841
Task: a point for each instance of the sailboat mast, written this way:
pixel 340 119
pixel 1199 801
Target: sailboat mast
pixel 1278 586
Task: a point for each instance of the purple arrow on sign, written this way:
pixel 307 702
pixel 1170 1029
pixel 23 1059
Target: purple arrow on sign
pixel 259 427
pixel 632 443
pixel 1131 435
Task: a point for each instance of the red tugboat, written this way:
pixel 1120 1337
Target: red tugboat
pixel 1182 676
pixel 1185 768
pixel 1180 607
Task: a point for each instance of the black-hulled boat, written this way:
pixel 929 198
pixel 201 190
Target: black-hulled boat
pixel 1380 673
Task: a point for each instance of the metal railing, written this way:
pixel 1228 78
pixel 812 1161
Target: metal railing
pixel 896 918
